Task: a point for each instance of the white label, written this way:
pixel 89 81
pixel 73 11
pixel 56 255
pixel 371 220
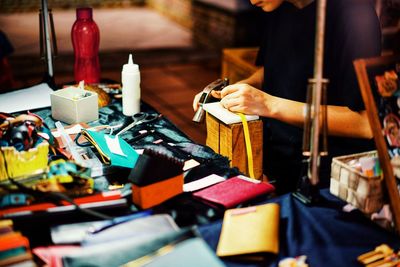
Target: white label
pixel 189 164
pixel 203 182
pixel 114 145
pixel 248 179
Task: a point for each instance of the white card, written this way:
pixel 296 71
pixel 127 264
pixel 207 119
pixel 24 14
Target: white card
pixel 203 182
pixel 114 145
pixel 191 163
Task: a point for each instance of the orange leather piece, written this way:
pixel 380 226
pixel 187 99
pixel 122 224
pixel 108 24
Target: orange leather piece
pixel 151 195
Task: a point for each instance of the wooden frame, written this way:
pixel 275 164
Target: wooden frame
pixel 367 70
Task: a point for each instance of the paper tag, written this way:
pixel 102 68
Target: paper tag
pixel 191 163
pixel 203 182
pixel 139 151
pixel 248 179
pixel 72 130
pixel 114 145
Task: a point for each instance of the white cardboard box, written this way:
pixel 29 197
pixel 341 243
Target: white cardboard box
pixel 72 105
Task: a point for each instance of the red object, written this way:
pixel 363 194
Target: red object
pixel 85 37
pixel 99 197
pixel 13 240
pixel 234 191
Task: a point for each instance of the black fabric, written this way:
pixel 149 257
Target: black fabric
pixel 287 54
pixel 324 233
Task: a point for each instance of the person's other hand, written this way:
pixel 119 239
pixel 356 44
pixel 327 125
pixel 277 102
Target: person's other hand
pixel 246 99
pixel 216 94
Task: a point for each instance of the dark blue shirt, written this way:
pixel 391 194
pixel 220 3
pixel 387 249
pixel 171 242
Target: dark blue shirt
pixel 287 54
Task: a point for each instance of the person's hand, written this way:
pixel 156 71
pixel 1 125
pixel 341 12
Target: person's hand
pixel 246 99
pixel 216 94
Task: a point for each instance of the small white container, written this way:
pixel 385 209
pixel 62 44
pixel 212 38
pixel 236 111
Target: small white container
pixel 72 105
pixel 130 77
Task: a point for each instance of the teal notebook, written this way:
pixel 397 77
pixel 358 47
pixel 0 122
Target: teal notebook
pixel 112 149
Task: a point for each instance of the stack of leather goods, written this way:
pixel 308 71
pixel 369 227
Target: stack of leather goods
pixel 150 240
pixel 156 178
pixel 14 247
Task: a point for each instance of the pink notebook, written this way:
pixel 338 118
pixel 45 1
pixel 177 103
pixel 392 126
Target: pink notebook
pixel 234 191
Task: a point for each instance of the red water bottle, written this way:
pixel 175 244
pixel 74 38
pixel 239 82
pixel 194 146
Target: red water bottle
pixel 85 37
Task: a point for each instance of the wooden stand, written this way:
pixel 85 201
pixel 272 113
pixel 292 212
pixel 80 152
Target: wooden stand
pixel 228 140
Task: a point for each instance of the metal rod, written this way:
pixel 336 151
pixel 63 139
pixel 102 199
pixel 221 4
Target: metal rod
pixel 48 57
pixel 41 38
pixel 53 34
pixel 308 120
pixel 318 71
pixel 324 111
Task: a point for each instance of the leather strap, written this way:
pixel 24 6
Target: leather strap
pixel 248 146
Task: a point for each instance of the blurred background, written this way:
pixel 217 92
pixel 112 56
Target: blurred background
pixel 178 44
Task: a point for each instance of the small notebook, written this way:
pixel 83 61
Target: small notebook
pixel 250 233
pixel 234 191
pixel 224 115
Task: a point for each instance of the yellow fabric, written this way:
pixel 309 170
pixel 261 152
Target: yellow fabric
pixel 248 231
pixel 19 164
pixel 248 145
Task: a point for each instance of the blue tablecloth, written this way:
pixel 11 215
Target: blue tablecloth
pixel 324 233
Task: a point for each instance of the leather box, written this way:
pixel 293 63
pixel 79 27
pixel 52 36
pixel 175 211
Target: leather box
pixel 148 196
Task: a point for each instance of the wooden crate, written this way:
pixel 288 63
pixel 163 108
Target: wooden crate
pixel 228 140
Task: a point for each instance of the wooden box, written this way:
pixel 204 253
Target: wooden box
pixel 228 140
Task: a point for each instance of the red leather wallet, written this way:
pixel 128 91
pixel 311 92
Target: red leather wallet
pixel 234 191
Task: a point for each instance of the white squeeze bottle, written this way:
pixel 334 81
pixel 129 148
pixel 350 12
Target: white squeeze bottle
pixel 130 88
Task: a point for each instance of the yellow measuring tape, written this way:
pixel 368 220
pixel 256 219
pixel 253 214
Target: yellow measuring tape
pixel 248 145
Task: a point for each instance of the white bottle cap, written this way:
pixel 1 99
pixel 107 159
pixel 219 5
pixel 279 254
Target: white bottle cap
pixel 130 67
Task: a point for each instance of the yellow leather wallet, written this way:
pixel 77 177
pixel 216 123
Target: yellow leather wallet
pixel 250 233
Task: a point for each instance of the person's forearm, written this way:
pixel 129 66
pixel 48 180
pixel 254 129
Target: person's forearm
pixel 341 120
pixel 256 79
